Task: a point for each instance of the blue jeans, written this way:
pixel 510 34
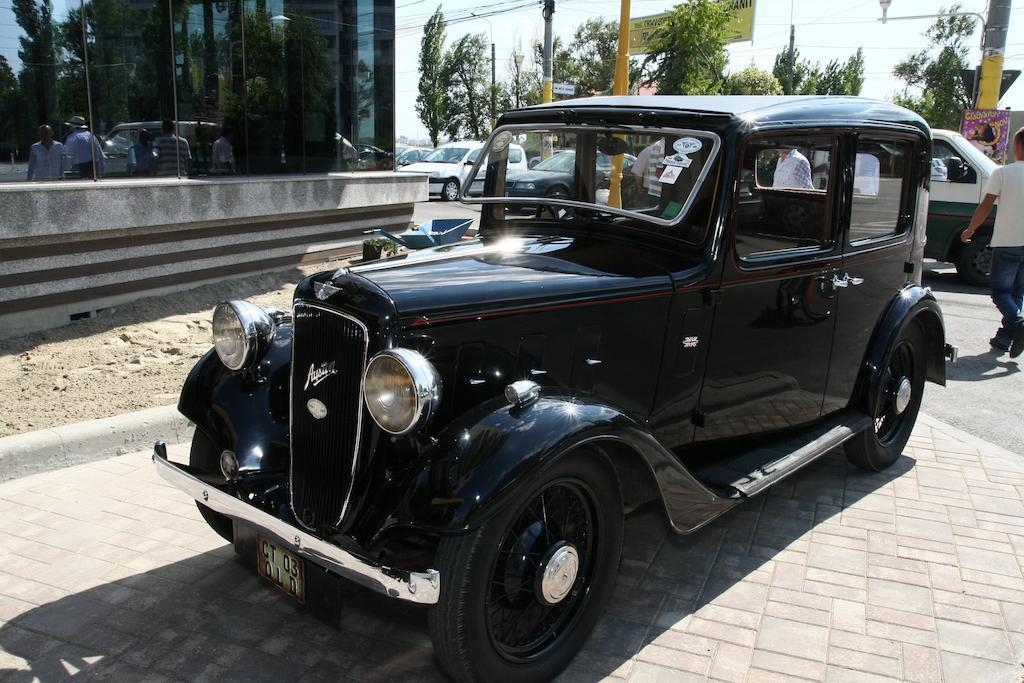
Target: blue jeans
pixel 1007 283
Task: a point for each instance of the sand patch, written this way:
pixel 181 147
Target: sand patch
pixel 125 359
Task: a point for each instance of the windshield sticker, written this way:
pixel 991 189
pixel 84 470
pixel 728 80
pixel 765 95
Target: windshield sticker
pixel 678 160
pixel 670 175
pixel 687 145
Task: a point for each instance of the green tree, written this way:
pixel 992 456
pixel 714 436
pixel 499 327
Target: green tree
pixel 37 54
pixel 752 81
pixel 432 102
pixel 810 78
pixel 932 76
pixel 687 55
pixel 467 77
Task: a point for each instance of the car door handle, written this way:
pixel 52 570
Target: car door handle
pixel 846 280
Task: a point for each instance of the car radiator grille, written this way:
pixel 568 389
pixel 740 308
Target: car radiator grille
pixel 328 356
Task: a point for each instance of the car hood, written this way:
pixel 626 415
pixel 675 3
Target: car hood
pixel 424 167
pixel 478 276
pixel 535 176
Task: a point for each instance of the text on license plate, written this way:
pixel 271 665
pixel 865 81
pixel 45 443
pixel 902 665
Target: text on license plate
pixel 280 567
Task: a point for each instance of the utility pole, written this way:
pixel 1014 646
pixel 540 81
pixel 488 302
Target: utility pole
pixel 549 12
pixel 620 87
pixel 792 40
pixel 494 90
pixel 991 71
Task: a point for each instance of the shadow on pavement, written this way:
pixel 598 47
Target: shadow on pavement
pixel 979 367
pixel 209 617
pixel 945 279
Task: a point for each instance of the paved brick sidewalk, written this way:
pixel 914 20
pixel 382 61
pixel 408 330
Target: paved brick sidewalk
pixel 911 574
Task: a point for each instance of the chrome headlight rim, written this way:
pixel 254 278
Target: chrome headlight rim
pixel 258 327
pixel 426 387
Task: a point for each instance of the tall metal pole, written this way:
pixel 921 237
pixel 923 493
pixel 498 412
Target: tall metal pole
pixel 992 54
pixel 789 69
pixel 549 12
pixel 494 90
pixel 792 40
pixel 620 87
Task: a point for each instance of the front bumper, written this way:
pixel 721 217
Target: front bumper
pixel 421 587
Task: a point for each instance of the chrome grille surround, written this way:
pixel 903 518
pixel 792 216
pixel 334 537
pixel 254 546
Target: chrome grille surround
pixel 306 332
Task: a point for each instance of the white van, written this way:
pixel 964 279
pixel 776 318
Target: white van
pixel 959 173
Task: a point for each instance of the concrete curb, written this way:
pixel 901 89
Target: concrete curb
pixel 49 449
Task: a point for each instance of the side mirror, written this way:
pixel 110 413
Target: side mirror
pixel 955 169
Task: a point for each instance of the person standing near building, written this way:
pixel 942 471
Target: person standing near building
pixel 168 151
pixel 46 157
pixel 223 154
pixel 1007 278
pixel 140 155
pixel 83 149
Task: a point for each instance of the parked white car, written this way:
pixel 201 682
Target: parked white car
pixel 448 167
pixel 517 163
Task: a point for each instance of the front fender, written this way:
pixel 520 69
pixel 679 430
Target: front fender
pixel 245 411
pixel 478 464
pixel 913 305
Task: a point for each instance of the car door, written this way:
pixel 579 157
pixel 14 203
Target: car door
pixel 771 338
pixel 877 247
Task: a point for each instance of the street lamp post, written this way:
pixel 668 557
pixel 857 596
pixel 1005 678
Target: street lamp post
pixel 518 57
pixel 993 44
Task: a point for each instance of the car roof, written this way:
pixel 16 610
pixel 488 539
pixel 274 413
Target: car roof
pixel 753 108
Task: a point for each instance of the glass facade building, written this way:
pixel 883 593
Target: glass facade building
pixel 246 87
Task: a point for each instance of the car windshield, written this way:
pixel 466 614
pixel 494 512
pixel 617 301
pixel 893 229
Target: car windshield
pixel 446 155
pixel 661 171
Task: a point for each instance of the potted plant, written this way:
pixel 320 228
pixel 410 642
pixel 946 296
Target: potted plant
pixel 375 246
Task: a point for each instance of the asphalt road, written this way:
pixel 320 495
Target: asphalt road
pixel 984 393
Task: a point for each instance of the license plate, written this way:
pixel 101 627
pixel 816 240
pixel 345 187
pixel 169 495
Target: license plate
pixel 280 567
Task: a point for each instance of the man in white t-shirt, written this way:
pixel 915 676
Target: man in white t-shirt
pixel 1007 279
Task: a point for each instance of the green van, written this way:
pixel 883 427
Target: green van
pixel 959 173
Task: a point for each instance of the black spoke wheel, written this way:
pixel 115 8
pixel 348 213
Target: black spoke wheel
pixel 558 523
pixel 897 401
pixel 521 593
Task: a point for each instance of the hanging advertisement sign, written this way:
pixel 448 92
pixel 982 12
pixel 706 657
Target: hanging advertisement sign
pixel 988 130
pixel 741 26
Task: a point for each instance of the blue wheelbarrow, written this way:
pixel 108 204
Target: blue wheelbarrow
pixel 433 233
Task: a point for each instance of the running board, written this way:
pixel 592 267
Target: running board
pixel 756 470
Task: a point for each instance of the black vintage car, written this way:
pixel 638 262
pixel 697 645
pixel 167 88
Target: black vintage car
pixel 464 427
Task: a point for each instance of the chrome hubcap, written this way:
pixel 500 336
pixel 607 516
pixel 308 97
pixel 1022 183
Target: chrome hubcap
pixel 902 398
pixel 559 570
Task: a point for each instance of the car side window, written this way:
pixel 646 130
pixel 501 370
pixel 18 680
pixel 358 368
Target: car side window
pixel 515 155
pixel 880 176
pixel 784 196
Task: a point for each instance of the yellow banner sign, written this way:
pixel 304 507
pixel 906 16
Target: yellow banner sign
pixel 741 27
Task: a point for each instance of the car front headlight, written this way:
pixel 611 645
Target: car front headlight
pixel 526 186
pixel 435 174
pixel 401 390
pixel 241 333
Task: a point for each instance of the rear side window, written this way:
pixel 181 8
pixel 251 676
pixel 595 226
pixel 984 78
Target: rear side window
pixel 784 196
pixel 879 182
pixel 515 155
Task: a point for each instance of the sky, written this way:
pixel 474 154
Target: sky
pixel 825 30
